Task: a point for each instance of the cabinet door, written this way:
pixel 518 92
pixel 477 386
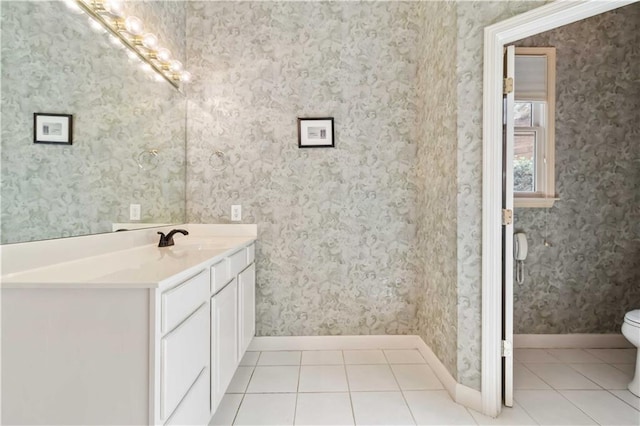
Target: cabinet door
pixel 185 353
pixel 194 408
pixel 224 338
pixel 247 307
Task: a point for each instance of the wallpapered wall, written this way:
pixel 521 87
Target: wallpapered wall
pixel 436 157
pixel 472 17
pixel 590 276
pixel 339 228
pixel 53 62
pixel 337 247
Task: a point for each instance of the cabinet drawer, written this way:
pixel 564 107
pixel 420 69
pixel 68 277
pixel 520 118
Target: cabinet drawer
pixel 237 262
pixel 179 302
pixel 194 408
pixel 185 352
pixel 251 254
pixel 219 275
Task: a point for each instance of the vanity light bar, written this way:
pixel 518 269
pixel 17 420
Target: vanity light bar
pixel 130 31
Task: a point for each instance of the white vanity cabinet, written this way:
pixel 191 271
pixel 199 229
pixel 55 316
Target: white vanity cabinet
pixel 246 307
pixel 232 319
pixel 121 352
pixel 184 353
pixel 224 340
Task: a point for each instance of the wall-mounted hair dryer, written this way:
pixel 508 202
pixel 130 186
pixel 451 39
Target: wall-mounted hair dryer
pixel 520 249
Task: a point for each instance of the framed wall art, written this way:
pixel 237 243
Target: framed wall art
pixel 315 133
pixel 52 128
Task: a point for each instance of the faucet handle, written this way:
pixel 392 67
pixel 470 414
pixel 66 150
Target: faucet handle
pixel 164 241
pixel 167 240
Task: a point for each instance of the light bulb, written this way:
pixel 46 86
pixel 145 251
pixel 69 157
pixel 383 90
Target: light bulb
pixel 175 66
pixel 113 7
pixel 185 76
pixel 163 55
pixel 150 41
pixel 133 25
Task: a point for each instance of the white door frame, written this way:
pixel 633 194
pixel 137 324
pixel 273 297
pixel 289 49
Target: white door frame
pixel 496 36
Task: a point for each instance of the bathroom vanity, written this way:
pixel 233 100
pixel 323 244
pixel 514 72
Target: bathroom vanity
pixel 127 333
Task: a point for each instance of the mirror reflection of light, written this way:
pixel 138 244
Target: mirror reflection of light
pixel 185 76
pixel 175 66
pixel 150 41
pixel 110 16
pixel 114 7
pixel 133 24
pixel 163 54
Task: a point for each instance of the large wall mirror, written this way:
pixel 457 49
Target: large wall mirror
pixel 128 126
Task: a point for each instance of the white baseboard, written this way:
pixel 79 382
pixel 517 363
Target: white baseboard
pixel 315 343
pixel 460 393
pixel 463 395
pixel 567 341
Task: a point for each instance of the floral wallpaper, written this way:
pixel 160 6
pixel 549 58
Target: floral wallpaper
pixel 53 62
pixel 472 17
pixel 436 165
pixel 368 237
pixel 589 277
pixel 337 247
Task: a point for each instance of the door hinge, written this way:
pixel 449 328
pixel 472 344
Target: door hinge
pixel 507 348
pixel 507 85
pixel 507 216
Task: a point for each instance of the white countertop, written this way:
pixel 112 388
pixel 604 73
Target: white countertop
pixel 144 266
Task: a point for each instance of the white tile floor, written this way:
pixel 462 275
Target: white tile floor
pixel 397 387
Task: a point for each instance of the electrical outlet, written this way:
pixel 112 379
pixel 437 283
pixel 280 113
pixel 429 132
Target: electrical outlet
pixel 236 213
pixel 134 211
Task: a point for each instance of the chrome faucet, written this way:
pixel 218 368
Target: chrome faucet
pixel 167 240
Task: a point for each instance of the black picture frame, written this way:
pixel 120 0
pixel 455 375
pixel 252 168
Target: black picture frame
pixel 316 132
pixel 51 128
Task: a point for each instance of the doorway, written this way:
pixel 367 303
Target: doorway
pixel 496 37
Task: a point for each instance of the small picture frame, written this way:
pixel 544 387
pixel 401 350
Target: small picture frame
pixel 52 128
pixel 315 132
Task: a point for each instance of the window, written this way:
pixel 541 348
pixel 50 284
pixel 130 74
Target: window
pixel 534 111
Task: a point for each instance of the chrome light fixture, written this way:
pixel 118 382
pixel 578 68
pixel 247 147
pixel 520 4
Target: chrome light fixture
pixel 129 30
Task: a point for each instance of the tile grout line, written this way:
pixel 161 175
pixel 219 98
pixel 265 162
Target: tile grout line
pixel 561 394
pixel 235 416
pixel 626 402
pixel 566 365
pixel 523 408
pixel 593 363
pixel 295 406
pixel 413 417
pixel 558 391
pixel 571 402
pixel 344 365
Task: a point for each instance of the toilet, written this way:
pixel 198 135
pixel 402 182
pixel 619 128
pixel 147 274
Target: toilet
pixel 631 330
